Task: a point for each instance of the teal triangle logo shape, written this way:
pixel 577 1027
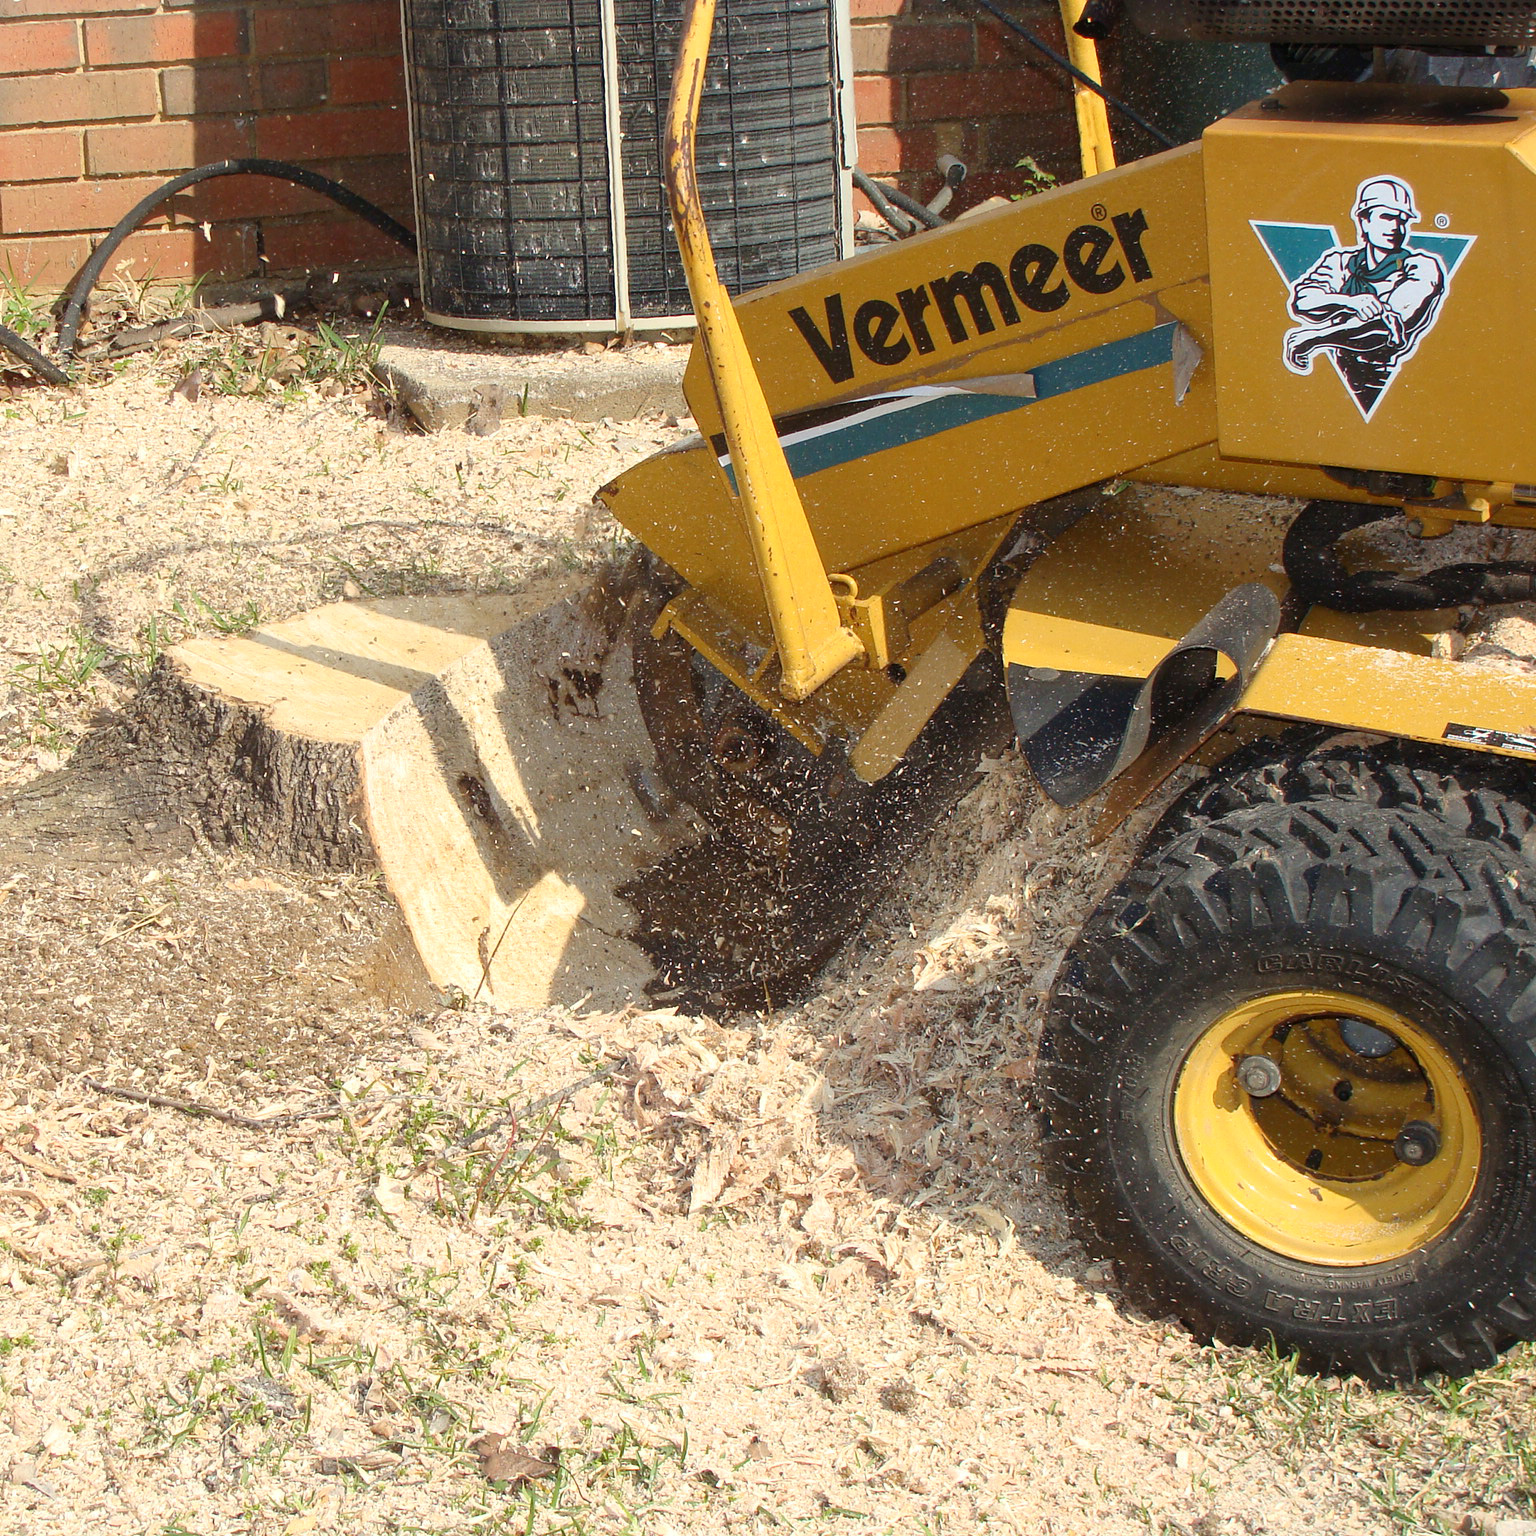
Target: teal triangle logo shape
pixel 1297 248
pixel 1403 281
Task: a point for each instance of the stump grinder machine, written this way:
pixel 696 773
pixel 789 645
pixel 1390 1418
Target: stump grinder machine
pixel 1143 468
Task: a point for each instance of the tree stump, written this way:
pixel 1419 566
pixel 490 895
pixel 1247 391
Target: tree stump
pixel 477 750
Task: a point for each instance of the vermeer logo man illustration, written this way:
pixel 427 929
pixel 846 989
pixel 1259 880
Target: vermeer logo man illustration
pixel 1365 306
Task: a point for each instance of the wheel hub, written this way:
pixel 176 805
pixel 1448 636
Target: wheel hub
pixel 1327 1128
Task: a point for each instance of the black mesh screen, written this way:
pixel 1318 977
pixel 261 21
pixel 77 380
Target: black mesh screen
pixel 1447 24
pixel 511 156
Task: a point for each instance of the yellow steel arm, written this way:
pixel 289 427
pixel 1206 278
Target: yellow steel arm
pixel 1094 143
pixel 811 640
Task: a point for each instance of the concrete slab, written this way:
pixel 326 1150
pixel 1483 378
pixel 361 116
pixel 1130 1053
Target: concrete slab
pixel 447 381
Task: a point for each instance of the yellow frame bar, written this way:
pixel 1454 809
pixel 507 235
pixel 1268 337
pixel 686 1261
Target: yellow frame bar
pixel 1094 143
pixel 811 640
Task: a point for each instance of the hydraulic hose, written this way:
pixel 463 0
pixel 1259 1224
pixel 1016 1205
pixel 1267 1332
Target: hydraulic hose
pixel 281 170
pixel 1318 575
pixel 19 347
pixel 879 196
pixel 903 200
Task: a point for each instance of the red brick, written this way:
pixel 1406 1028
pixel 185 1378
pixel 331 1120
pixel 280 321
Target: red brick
pixel 138 147
pixel 29 47
pixel 79 98
pixel 861 8
pixel 355 82
pixel 48 156
pixel 56 206
pixel 1046 138
pixel 73 7
pixel 883 49
pixel 225 251
pixel 289 84
pixel 999 48
pixel 330 135
pixel 876 99
pixel 352 26
pixel 319 244
pixel 884 150
pixel 188 91
pixel 385 181
pixel 49 262
pixel 161 39
pixel 981 93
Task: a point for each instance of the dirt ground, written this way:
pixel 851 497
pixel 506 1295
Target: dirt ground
pixel 446 1270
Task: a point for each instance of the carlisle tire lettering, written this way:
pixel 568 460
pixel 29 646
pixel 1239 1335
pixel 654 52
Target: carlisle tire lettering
pixel 977 300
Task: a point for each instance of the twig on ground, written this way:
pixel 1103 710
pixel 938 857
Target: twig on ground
pixel 516 1120
pixel 211 1111
pixel 523 1114
pixel 26 1194
pixel 494 1169
pixel 39 1165
pixel 143 922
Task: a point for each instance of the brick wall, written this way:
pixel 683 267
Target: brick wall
pixel 101 100
pixel 934 77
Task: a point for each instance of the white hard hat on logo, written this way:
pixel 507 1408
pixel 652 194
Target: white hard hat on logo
pixel 1386 192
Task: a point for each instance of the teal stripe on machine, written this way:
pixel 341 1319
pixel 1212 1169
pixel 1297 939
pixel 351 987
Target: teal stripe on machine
pixel 928 415
pixel 1146 349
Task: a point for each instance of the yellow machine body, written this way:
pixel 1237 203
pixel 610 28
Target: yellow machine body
pixel 1282 185
pixel 1172 322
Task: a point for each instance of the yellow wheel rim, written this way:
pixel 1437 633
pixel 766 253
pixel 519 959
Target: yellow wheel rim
pixel 1311 1170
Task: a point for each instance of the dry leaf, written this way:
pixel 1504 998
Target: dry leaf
pixel 389 1195
pixel 510 1464
pixel 362 1461
pixel 818 1218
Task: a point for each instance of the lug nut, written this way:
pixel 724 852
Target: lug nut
pixel 1259 1076
pixel 1417 1143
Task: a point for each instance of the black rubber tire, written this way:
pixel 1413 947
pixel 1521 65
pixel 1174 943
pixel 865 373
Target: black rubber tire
pixel 1386 903
pixel 1477 795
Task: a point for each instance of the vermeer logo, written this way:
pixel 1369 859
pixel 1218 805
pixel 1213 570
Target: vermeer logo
pixel 1367 306
pixel 1039 277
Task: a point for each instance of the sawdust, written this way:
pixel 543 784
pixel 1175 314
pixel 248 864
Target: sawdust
pixel 131 517
pixel 633 1270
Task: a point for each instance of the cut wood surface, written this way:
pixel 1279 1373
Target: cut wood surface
pixel 469 746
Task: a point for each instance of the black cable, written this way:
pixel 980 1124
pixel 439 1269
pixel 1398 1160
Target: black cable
pixel 1061 61
pixel 1318 575
pixel 877 195
pixel 69 323
pixel 909 204
pixel 49 372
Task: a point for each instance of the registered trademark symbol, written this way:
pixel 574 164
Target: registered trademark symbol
pixel 1442 221
pixel 1098 211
